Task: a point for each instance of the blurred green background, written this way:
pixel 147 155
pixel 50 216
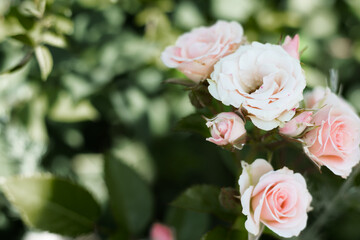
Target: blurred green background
pixel 105 95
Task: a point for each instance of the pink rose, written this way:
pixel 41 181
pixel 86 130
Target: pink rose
pixel 227 128
pixel 297 125
pixel 291 46
pixel 278 199
pixel 161 232
pixel 335 142
pixel 196 52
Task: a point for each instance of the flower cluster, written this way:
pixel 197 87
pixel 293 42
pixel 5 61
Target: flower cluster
pixel 264 84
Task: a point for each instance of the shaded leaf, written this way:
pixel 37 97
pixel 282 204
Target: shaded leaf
pixel 130 197
pixel 225 234
pixel 181 81
pixel 193 123
pixel 24 38
pixel 52 204
pixel 188 225
pixel 200 96
pixel 203 198
pixel 229 200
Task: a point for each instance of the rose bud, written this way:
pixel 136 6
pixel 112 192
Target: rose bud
pixel 291 46
pixel 227 128
pixel 196 52
pixel 278 199
pixel 297 125
pixel 335 142
pixel 161 232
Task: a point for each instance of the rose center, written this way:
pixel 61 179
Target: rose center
pixel 222 127
pixel 256 83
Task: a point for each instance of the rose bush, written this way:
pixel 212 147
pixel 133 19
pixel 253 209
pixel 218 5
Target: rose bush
pixel 335 142
pixel 263 79
pixel 196 52
pixel 278 199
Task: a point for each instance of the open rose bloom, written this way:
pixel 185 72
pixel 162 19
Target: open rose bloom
pixel 278 199
pixel 196 52
pixel 263 79
pixel 335 142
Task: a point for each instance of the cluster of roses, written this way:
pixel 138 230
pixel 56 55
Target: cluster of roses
pixel 264 83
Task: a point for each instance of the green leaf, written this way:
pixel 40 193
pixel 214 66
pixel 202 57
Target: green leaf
pixel 33 8
pixel 45 61
pixel 18 66
pixel 65 109
pixel 54 39
pixel 228 199
pixel 225 234
pixel 216 234
pixel 193 123
pixel 181 81
pixel 24 38
pixel 130 197
pixel 189 225
pixel 203 198
pixel 52 204
pixel 200 96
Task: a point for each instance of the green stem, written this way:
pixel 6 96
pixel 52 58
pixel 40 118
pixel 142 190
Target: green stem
pixel 22 63
pixel 326 213
pixel 270 155
pixel 252 154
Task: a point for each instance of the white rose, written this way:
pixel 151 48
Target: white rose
pixel 263 79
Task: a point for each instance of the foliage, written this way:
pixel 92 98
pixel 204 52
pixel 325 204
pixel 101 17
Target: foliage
pixel 83 98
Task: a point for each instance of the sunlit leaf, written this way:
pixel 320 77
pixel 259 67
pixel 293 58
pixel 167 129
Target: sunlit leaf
pixel 33 8
pixel 45 61
pixel 53 39
pixel 52 204
pixel 66 109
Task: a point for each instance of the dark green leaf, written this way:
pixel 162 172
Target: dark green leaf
pixel 200 96
pixel 216 234
pixel 24 38
pixel 189 225
pixel 130 197
pixel 193 123
pixel 53 204
pixel 203 198
pixel 225 234
pixel 181 81
pixel 229 199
